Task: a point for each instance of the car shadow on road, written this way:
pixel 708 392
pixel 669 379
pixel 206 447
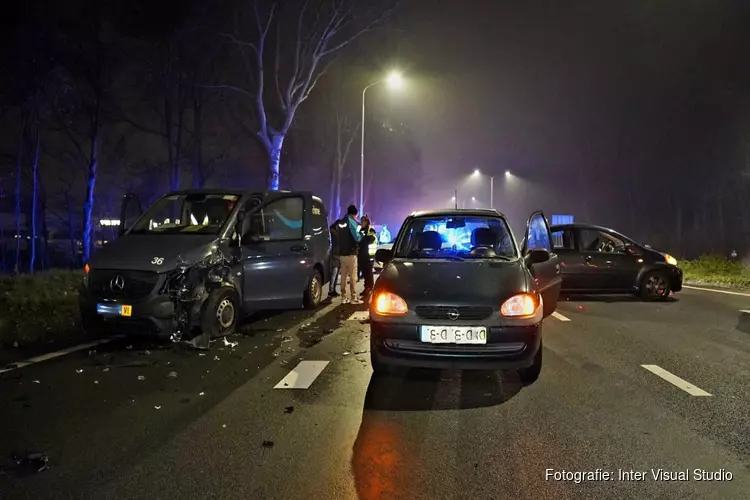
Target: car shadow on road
pixel 610 299
pixel 743 323
pixel 396 421
pixel 430 390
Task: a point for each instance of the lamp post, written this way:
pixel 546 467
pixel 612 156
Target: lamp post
pixel 478 173
pixel 393 80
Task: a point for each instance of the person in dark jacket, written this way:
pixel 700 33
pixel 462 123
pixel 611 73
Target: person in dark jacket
pixel 348 241
pixel 368 237
pixel 334 263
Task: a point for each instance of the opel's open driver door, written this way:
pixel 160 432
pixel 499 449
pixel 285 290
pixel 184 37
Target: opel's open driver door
pixel 542 260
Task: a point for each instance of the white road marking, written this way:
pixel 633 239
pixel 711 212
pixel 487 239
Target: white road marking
pixel 675 380
pixel 746 311
pixel 303 375
pixel 57 354
pixel 727 292
pixel 360 316
pixel 560 316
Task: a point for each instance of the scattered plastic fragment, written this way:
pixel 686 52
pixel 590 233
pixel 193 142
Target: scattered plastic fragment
pixel 230 344
pixel 96 381
pixel 216 358
pixel 361 352
pixel 346 353
pixel 129 347
pixel 105 369
pixel 80 370
pixel 35 382
pixel 289 409
pixel 201 354
pixel 224 426
pixel 202 394
pixel 157 407
pixel 581 308
pixel 141 377
pixel 146 352
pixel 172 375
pixel 267 444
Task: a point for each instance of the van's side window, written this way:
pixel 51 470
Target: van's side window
pixel 279 220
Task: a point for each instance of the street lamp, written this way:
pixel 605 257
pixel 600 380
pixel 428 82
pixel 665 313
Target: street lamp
pixel 394 80
pixel 478 173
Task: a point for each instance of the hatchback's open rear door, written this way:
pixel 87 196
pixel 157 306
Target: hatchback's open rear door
pixel 546 273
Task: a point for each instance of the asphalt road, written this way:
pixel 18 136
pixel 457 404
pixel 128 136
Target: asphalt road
pixel 115 424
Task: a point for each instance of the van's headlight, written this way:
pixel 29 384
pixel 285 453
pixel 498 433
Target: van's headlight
pixel 670 260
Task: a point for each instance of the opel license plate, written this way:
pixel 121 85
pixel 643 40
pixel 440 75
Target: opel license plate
pixel 454 334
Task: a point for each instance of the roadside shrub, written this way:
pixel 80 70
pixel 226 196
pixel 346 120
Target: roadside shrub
pixel 39 307
pixel 710 269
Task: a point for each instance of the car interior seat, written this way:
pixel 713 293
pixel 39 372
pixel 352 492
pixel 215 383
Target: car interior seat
pixel 430 240
pixel 483 237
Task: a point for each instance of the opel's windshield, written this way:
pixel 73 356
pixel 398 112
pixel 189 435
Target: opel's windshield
pixel 187 214
pixel 456 238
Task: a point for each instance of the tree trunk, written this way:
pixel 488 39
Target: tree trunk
pixel 274 161
pixel 71 230
pixel 34 197
pixel 88 205
pixel 198 174
pixel 19 184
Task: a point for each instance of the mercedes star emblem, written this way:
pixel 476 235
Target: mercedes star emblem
pixel 117 284
pixel 453 314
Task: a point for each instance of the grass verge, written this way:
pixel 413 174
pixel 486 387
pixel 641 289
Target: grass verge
pixel 712 270
pixel 39 308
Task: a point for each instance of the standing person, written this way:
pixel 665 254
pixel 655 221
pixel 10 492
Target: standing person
pixel 385 235
pixel 334 263
pixel 348 240
pixel 368 237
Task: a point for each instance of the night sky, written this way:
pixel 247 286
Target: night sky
pixel 571 90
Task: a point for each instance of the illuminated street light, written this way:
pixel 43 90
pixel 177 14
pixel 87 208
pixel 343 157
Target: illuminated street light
pixel 478 173
pixel 473 199
pixel 507 173
pixel 395 81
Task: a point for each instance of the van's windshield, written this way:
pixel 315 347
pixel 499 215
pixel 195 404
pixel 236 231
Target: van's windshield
pixel 187 214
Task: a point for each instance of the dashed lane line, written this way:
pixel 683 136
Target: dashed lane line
pixel 303 375
pixel 727 292
pixel 57 354
pixel 560 316
pixel 745 311
pixel 676 381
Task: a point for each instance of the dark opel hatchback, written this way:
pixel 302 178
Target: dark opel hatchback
pixel 457 293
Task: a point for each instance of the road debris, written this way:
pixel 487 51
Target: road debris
pixel 202 394
pixel 26 464
pixel 157 407
pixel 267 444
pixel 141 377
pixel 172 375
pixel 230 344
pixel 224 426
pixel 216 358
pixel 35 382
pixel 96 381
pixel 346 353
pixel 80 370
pixel 289 409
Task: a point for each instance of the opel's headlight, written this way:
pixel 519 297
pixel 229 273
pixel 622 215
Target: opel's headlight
pixel 670 260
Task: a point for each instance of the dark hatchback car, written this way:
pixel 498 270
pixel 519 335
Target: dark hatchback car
pixel 595 259
pixel 456 292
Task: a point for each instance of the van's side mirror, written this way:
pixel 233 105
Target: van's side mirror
pixel 383 255
pixel 537 256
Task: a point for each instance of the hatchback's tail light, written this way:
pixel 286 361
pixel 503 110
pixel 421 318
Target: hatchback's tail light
pixel 390 304
pixel 520 305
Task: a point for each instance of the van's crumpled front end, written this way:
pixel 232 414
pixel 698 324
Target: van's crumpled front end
pixel 145 301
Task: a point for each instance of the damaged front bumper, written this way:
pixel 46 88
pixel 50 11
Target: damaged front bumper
pixel 150 315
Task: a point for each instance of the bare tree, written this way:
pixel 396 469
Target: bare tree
pixel 286 46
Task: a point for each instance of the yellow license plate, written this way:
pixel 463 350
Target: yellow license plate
pixel 126 310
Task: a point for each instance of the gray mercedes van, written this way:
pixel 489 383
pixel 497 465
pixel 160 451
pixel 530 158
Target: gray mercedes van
pixel 197 260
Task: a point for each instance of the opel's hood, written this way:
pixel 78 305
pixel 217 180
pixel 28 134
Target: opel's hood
pixel 470 282
pixel 159 253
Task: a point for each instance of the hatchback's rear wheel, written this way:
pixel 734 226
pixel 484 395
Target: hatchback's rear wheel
pixel 654 286
pixel 531 374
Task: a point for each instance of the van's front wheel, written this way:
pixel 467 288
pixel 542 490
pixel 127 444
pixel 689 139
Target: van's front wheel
pixel 314 291
pixel 220 313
